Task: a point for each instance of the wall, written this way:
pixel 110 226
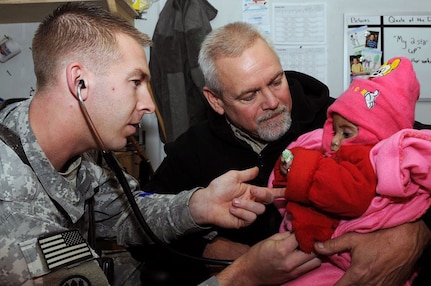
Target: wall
pixel 154 147
pixel 229 11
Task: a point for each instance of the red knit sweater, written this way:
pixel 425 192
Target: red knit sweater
pixel 322 190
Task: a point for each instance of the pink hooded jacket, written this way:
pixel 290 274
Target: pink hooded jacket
pixel 402 163
pixel 401 157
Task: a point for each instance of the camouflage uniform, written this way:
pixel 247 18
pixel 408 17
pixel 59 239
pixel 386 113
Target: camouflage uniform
pixel 37 201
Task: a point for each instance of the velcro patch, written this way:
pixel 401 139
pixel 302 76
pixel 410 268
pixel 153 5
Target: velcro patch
pixel 64 248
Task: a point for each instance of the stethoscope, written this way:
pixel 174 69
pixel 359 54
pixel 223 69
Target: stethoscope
pixel 114 165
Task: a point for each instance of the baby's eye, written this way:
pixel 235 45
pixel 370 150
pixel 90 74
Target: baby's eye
pixel 347 134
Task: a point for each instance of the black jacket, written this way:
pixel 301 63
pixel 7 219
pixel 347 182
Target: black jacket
pixel 210 149
pixel 176 78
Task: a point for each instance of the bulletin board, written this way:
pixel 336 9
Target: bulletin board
pixel 371 40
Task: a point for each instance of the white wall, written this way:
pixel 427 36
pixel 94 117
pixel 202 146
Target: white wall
pixel 153 145
pixel 231 10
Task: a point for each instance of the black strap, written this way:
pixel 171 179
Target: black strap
pixel 13 141
pixel 427 216
pixel 10 100
pixel 92 222
pixel 9 137
pixel 419 125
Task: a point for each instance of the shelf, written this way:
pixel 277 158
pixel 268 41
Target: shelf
pixel 28 11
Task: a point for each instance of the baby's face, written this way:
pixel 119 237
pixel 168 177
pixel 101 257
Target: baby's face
pixel 343 129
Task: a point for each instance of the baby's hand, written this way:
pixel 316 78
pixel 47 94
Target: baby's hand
pixel 286 161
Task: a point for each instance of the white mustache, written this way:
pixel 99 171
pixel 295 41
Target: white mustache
pixel 270 114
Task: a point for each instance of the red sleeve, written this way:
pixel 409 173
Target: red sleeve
pixel 344 184
pixel 310 225
pixel 300 177
pixel 279 179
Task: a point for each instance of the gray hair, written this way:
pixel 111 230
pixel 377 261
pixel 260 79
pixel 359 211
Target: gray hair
pixel 227 41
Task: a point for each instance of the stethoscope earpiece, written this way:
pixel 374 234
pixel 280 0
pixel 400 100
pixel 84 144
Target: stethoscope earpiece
pixel 82 84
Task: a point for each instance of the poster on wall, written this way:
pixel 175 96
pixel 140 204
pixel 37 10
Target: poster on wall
pixel 371 40
pixel 256 12
pixel 364 51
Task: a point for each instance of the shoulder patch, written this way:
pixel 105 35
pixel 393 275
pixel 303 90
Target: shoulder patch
pixel 75 280
pixel 64 248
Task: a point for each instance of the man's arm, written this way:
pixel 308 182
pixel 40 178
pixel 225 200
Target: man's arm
pixel 384 257
pixel 272 261
pixel 227 202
